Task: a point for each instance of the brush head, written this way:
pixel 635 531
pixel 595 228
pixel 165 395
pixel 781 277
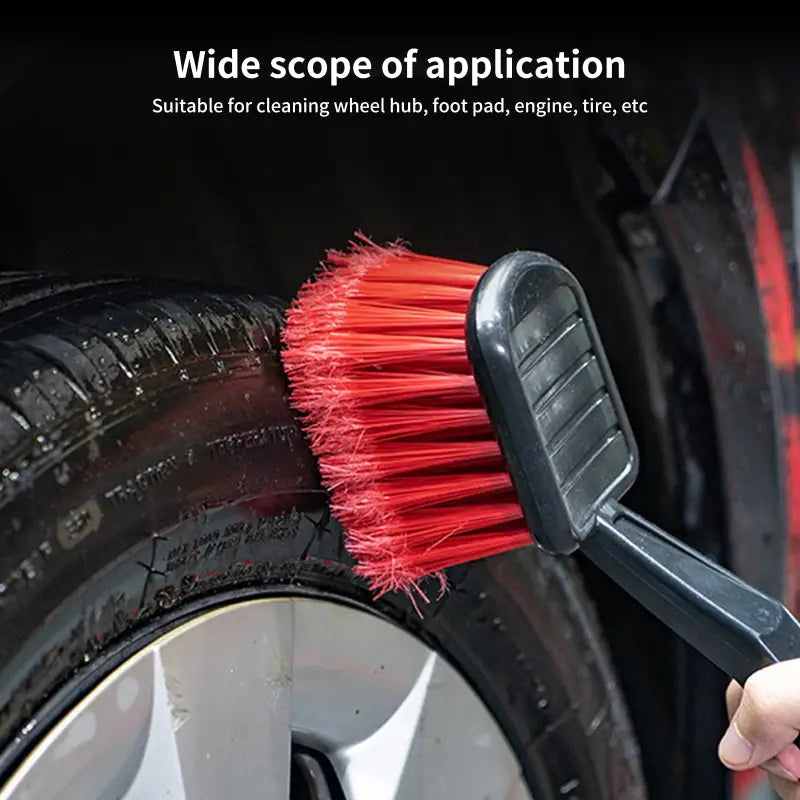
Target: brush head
pixel 376 355
pixel 542 370
pixel 376 358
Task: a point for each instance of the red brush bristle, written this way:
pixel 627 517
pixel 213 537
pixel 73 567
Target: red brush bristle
pixel 376 358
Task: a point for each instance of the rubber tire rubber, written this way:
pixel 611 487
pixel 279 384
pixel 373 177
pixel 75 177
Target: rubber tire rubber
pixel 150 466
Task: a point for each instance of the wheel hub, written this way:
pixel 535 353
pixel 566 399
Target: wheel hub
pixel 292 698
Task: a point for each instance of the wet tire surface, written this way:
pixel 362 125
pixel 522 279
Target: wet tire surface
pixel 150 467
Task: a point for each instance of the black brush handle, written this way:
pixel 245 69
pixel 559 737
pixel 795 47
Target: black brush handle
pixel 737 627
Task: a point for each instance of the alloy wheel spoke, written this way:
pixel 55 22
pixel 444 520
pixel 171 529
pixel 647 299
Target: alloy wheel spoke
pixel 159 774
pixel 440 743
pixel 351 672
pixel 376 766
pixel 229 682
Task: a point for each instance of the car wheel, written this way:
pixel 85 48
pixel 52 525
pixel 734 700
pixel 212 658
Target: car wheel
pixel 178 615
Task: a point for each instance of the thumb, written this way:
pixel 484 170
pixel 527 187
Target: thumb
pixel 767 719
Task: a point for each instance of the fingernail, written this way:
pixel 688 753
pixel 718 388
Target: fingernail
pixel 734 749
pixel 774 767
pixel 788 760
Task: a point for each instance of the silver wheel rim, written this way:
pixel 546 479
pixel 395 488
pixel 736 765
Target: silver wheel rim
pixel 212 710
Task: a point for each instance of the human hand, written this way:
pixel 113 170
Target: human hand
pixel 765 720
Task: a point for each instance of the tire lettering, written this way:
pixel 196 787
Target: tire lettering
pixel 247 440
pixel 135 488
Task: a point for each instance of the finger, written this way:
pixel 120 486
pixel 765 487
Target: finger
pixel 733 696
pixel 767 718
pixel 774 768
pixel 789 759
pixel 786 790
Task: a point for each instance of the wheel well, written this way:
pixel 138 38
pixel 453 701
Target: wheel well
pixel 654 344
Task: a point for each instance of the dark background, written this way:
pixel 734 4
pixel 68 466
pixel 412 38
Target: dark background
pixel 93 181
